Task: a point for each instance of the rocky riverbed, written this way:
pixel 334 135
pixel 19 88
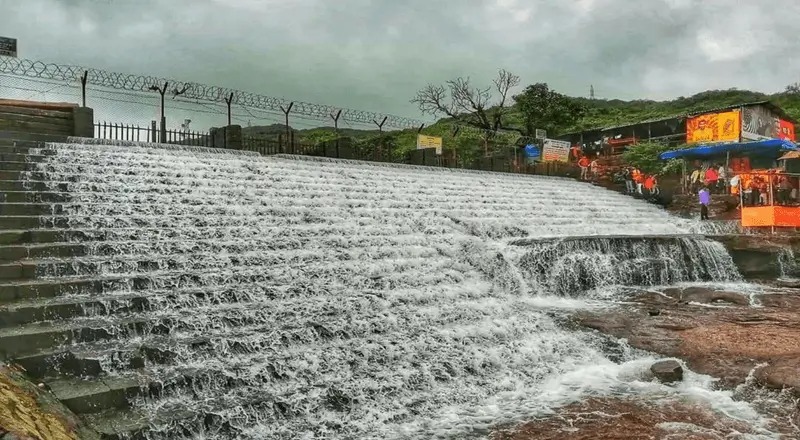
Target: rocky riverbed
pixel 746 336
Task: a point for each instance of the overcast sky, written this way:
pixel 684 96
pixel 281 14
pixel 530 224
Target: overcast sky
pixel 374 54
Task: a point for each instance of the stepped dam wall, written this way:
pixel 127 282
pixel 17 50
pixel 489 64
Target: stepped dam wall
pixel 176 292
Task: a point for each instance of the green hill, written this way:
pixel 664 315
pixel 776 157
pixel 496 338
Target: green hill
pixel 598 113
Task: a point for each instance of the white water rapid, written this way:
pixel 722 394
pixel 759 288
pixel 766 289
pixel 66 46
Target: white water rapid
pixel 311 298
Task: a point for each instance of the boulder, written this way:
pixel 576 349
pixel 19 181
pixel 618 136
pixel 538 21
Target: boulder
pixel 667 371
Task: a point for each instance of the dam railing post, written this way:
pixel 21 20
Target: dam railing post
pixel 286 112
pixel 336 129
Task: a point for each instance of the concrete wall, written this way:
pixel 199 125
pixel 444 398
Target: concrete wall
pixel 55 119
pixel 229 137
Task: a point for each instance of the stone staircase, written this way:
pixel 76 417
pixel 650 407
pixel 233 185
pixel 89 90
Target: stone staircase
pixel 37 325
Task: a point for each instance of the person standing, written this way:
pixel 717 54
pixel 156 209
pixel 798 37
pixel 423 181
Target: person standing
pixel 628 176
pixel 711 177
pixel 705 200
pixel 594 169
pixel 583 162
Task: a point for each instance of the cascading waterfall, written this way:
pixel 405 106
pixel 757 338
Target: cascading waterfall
pixel 572 266
pixel 302 298
pixel 789 263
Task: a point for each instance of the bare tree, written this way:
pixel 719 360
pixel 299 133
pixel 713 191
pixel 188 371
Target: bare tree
pixel 473 106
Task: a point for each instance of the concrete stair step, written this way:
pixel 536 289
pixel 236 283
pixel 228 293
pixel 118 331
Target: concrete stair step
pixel 89 360
pixel 87 305
pixel 13 291
pixel 175 420
pixel 18 166
pixel 34 196
pixel 28 186
pixel 27 148
pixel 32 222
pixel 91 396
pixel 35 251
pixel 22 136
pixel 61 308
pixel 116 391
pixel 30 209
pixel 38 236
pixel 20 157
pixel 27 339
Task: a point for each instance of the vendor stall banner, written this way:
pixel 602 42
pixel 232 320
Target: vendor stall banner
pixel 713 127
pixel 758 123
pixel 786 130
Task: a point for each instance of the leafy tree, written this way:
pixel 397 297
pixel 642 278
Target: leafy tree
pixel 546 109
pixel 646 157
pixel 460 100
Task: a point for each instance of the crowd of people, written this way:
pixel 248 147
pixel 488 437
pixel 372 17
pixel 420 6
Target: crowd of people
pixel 755 187
pixel 636 181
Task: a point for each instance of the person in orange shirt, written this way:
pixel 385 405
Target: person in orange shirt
pixel 638 177
pixel 649 184
pixel 583 162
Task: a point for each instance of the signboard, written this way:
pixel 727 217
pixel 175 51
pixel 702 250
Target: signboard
pixel 759 123
pixel 555 151
pixel 713 127
pixel 424 141
pixel 540 134
pixel 8 47
pixel 786 130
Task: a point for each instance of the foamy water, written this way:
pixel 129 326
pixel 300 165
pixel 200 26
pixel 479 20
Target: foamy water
pixel 338 299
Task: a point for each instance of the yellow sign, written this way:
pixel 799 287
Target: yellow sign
pixel 714 127
pixel 424 141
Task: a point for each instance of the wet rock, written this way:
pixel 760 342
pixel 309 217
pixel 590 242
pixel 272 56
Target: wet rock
pixel 619 419
pixel 711 296
pixel 781 374
pixel 791 284
pixel 726 342
pixel 667 371
pixel 654 312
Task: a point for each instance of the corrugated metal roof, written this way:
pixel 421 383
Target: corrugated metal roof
pixel 779 111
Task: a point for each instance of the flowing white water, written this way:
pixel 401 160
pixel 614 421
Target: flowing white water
pixel 333 299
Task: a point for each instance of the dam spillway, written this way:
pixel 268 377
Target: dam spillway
pixel 175 292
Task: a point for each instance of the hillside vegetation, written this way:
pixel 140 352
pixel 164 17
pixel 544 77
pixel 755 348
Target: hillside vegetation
pixel 569 113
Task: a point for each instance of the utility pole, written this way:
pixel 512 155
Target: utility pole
pixel 591 91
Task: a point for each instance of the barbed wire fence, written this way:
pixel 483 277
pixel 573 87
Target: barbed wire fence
pixel 149 108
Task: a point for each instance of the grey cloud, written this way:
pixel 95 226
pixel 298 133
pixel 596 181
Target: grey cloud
pixel 374 55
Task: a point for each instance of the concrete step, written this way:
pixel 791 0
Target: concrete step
pixel 21 209
pixel 32 222
pixel 38 251
pixel 91 360
pixel 19 157
pixel 28 339
pixel 29 186
pixel 13 291
pixel 61 308
pixel 18 166
pixel 22 136
pixel 34 196
pixel 117 303
pixel 34 236
pixel 26 148
pixel 178 421
pixel 115 391
pixel 92 396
